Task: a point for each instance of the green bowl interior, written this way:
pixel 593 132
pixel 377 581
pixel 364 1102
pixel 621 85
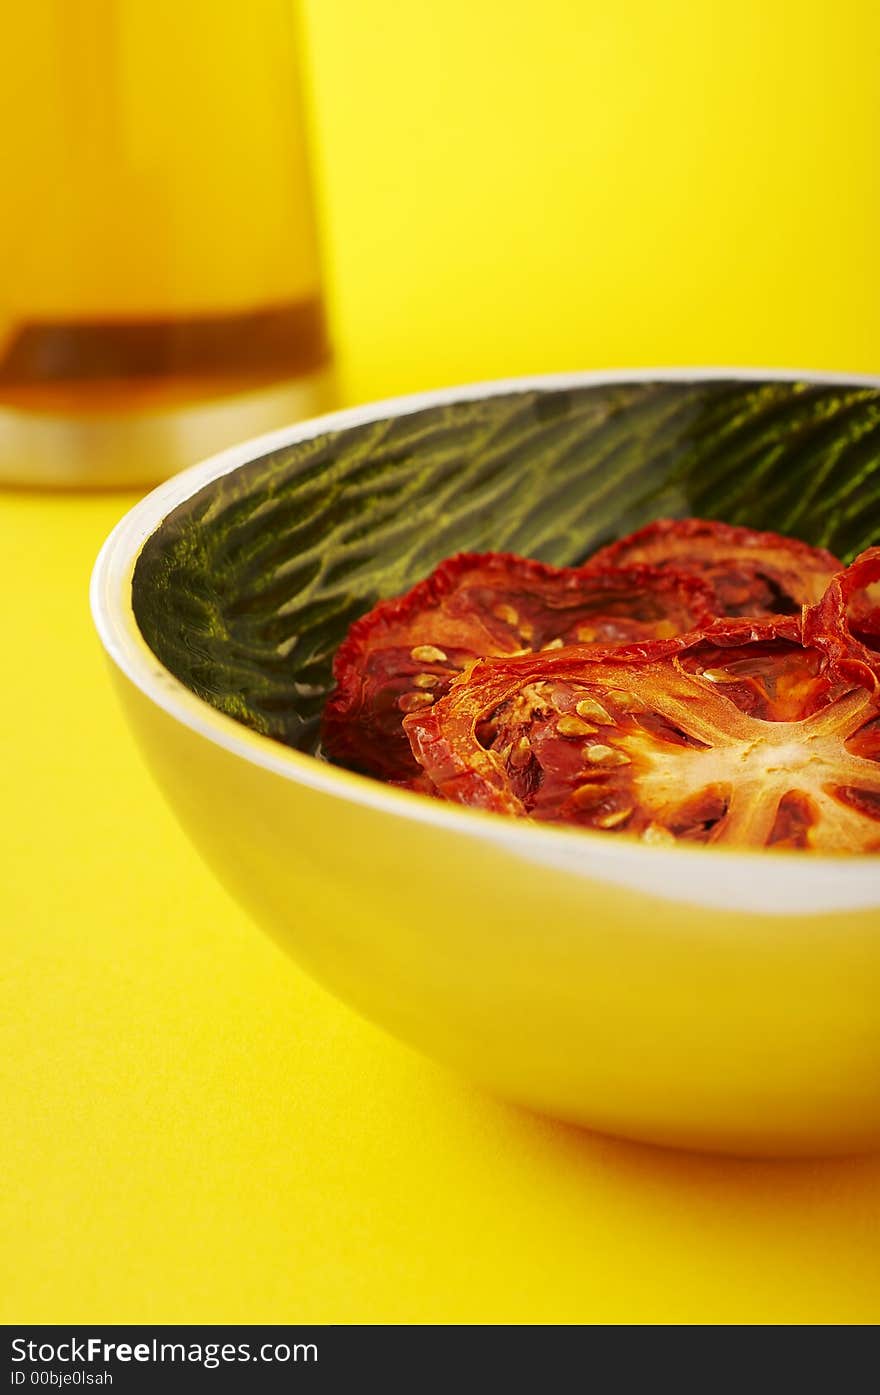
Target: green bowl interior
pixel 246 589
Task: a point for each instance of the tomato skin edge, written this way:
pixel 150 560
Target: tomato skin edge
pixel 442 581
pixel 730 534
pixel 345 722
pixel 714 543
pixel 826 625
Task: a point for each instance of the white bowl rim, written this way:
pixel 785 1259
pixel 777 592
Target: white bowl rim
pixel 779 884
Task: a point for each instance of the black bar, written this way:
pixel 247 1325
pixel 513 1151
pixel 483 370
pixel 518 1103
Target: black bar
pixel 191 1358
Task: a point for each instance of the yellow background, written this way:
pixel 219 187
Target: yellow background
pixel 512 186
pixel 192 1130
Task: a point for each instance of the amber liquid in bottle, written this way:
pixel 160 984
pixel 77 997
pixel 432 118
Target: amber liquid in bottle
pixel 161 291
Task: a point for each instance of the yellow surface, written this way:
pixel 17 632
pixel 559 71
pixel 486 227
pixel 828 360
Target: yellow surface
pixel 192 1130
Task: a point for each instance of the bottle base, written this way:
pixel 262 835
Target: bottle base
pixel 141 447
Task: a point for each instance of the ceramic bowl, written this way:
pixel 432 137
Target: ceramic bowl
pixel 685 996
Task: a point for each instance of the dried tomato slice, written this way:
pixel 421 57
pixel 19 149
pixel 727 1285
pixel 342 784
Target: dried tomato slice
pixel 845 624
pixel 742 738
pixel 406 652
pixel 417 784
pixel 752 573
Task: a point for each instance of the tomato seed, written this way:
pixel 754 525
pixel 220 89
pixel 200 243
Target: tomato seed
pixel 410 702
pixel 589 707
pixel 427 654
pixel 605 755
pixel 573 726
pixel 521 753
pixel 657 834
pixel 588 796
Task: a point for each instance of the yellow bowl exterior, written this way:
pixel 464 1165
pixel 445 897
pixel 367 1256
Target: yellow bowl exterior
pixel 635 1014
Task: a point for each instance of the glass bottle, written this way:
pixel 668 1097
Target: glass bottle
pixel 160 292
